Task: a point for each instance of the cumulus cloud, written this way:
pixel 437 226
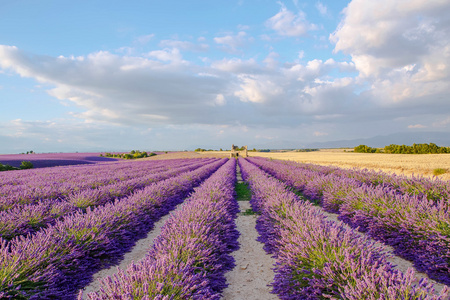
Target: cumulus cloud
pixel 220 100
pixel 415 126
pixel 172 55
pixel 257 89
pixel 238 66
pixel 287 23
pixel 231 42
pixel 162 89
pixel 396 76
pixel 401 49
pixel 124 90
pixel 319 133
pixel 442 123
pixel 323 10
pixel 144 39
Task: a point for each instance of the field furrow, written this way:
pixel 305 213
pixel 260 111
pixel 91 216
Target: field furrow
pixel 253 273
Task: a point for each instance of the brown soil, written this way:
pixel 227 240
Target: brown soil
pixel 250 278
pixel 253 272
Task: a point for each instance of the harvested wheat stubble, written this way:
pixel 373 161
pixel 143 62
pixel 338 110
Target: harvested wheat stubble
pixel 253 272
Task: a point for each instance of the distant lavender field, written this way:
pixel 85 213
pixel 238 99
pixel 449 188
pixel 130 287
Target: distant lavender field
pixel 54 159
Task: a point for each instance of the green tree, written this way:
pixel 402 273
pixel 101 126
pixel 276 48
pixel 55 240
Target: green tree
pixel 26 165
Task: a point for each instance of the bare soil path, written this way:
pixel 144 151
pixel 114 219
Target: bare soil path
pixel 253 272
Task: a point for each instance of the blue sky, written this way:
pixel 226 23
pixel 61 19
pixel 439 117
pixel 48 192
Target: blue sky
pixel 175 75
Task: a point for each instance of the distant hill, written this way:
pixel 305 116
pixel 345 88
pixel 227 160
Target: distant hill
pixel 379 141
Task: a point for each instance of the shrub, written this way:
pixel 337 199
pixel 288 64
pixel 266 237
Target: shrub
pixel 439 171
pixel 364 149
pixel 416 149
pixel 132 155
pixel 26 165
pixel 7 168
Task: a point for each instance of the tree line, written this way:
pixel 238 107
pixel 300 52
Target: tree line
pixel 404 149
pixel 132 155
pixel 24 165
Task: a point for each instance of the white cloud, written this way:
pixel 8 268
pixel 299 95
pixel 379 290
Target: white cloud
pixel 271 60
pixel 233 42
pixel 319 133
pixel 287 23
pixel 257 89
pixel 243 27
pixel 220 100
pixel 323 10
pixel 415 126
pixel 400 48
pixel 144 39
pixel 392 34
pixel 171 55
pixel 238 66
pixel 161 89
pixel 125 90
pixel 265 37
pixel 442 123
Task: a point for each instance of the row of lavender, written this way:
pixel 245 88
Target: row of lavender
pixel 44 160
pixel 317 258
pixel 30 186
pixel 417 228
pixel 27 219
pixel 27 187
pixel 433 189
pixel 189 258
pixel 58 260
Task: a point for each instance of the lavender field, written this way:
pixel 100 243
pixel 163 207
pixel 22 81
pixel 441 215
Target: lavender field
pixel 59 226
pixel 43 160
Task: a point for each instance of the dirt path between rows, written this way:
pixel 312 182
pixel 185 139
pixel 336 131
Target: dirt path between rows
pixel 253 272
